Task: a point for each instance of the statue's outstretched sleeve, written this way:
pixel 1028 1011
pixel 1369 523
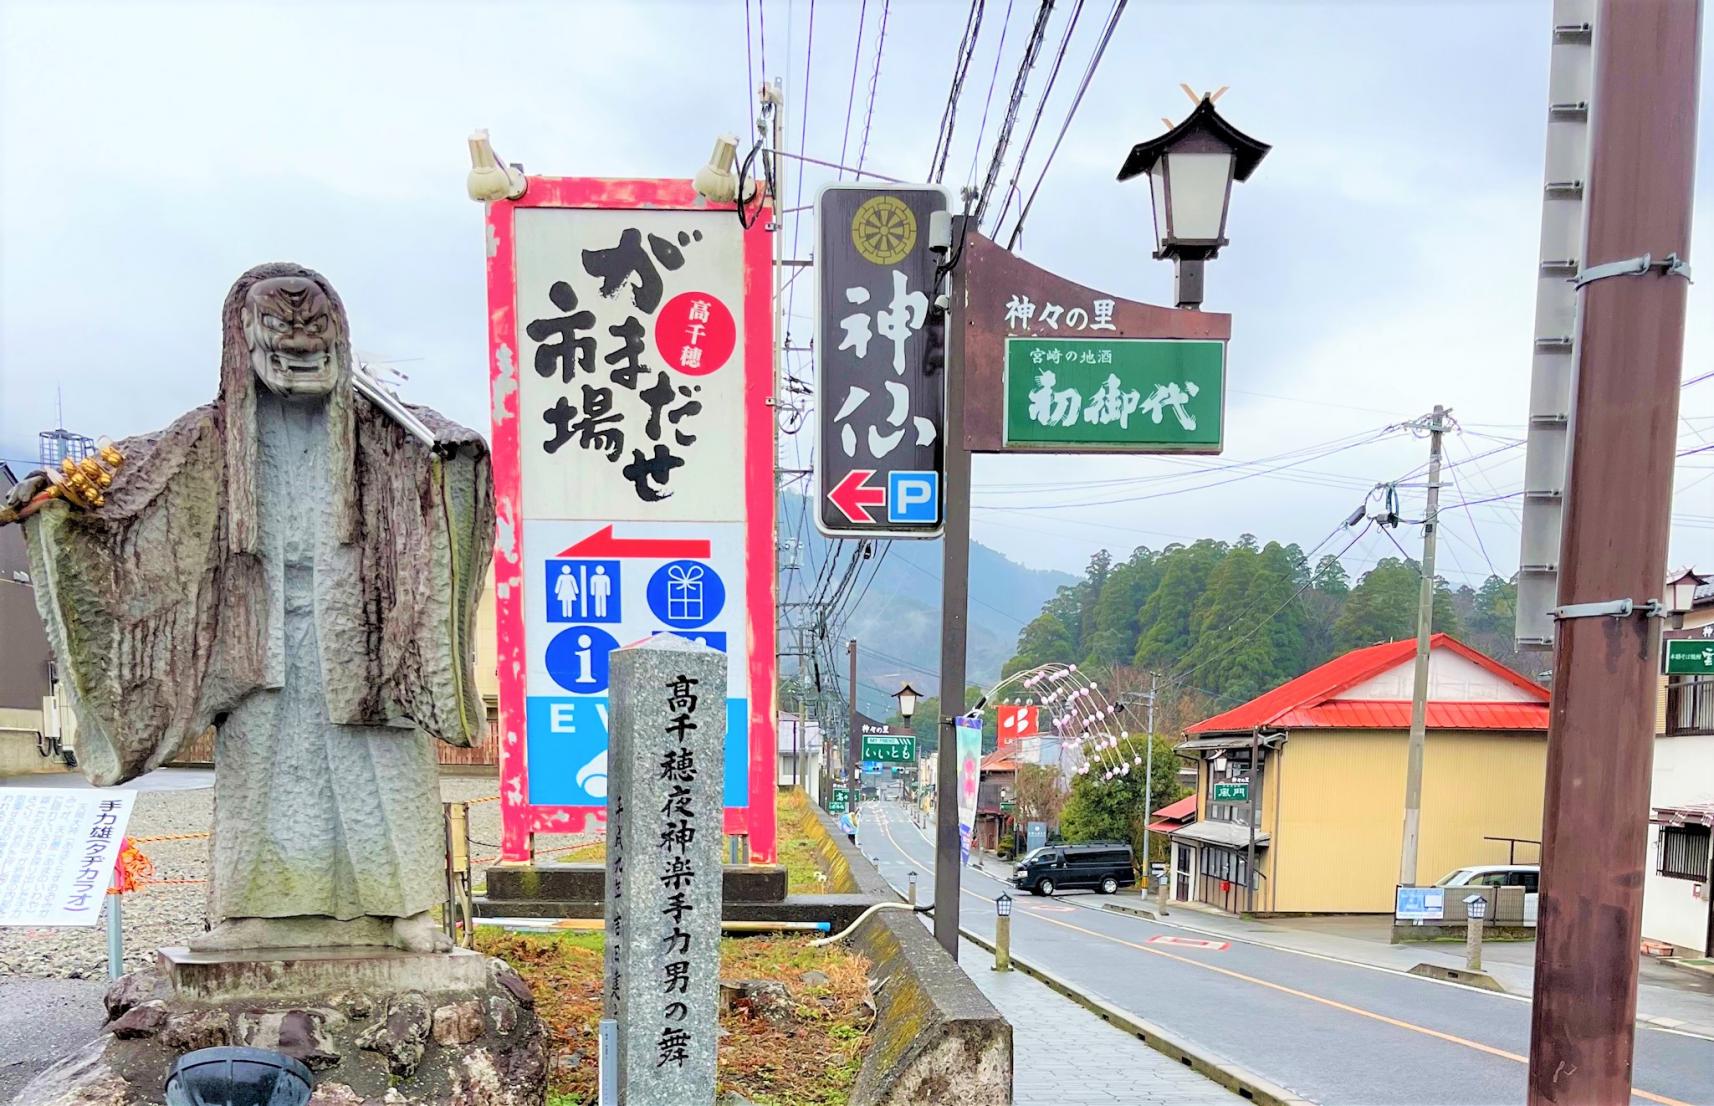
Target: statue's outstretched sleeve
pixel 428 521
pixel 130 595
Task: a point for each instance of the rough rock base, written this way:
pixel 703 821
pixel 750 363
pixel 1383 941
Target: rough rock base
pixel 433 1028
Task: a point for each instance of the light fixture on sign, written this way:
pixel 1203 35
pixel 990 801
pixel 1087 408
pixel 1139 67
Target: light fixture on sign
pixel 490 178
pixel 1191 169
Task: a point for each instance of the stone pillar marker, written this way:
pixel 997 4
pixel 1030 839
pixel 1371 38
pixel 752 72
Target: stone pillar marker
pixel 665 814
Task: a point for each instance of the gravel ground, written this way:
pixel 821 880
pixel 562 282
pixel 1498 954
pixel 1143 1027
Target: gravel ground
pixel 169 913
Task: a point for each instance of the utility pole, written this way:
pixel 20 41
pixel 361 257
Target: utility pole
pixel 1149 782
pixel 1600 750
pixel 1419 683
pixel 853 737
pixel 1254 790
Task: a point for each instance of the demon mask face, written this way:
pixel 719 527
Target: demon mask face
pixel 289 326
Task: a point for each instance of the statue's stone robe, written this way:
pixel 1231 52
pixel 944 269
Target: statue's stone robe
pixel 303 576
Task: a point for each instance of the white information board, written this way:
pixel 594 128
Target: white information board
pixel 57 851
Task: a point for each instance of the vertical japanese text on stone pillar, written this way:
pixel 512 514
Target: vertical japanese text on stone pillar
pixel 664 867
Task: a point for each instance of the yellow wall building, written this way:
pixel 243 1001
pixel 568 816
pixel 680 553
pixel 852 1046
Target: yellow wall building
pixel 1330 781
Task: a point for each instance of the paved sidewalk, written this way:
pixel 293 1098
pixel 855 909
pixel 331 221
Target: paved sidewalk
pixel 1063 1055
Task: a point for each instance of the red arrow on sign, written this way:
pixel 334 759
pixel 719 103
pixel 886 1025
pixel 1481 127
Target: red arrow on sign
pixel 602 543
pixel 853 496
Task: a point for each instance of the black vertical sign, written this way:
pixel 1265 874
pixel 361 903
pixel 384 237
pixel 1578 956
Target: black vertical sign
pixel 880 340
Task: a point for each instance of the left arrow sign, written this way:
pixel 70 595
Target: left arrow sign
pixel 602 543
pixel 854 497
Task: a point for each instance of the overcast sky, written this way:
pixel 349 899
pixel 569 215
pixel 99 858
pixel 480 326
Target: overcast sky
pixel 1382 257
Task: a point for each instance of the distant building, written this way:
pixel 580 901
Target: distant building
pixel 1678 888
pixel 1328 786
pixel 54 446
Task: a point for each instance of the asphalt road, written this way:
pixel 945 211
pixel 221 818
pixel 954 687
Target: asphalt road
pixel 1336 1033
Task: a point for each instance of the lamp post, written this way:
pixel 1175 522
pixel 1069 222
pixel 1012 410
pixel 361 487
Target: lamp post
pixel 907 697
pixel 1681 595
pixel 1191 169
pixel 1003 933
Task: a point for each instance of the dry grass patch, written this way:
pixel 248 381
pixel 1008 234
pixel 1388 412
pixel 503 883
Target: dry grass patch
pixel 809 1058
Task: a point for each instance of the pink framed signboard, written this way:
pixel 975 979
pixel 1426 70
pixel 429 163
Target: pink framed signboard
pixel 631 360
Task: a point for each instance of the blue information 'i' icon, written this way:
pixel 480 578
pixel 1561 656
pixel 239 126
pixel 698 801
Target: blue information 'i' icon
pixel 577 659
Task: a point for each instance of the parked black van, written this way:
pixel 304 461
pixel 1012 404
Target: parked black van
pixel 1103 865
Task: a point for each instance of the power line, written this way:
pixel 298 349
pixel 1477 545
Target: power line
pixel 851 96
pixel 1032 49
pixel 1041 107
pixel 874 81
pixel 960 69
pixel 988 100
pixel 1082 87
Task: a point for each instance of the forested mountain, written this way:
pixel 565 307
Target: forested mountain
pixel 1223 622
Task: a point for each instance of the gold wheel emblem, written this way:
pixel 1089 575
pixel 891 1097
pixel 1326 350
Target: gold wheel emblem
pixel 884 230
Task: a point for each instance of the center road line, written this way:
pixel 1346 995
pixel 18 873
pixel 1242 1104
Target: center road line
pixel 1331 1003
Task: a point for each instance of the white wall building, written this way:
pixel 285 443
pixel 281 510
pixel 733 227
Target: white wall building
pixel 1678 889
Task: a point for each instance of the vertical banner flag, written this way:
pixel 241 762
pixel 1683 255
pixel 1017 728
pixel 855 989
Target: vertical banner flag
pixel 969 749
pixel 880 339
pixel 630 327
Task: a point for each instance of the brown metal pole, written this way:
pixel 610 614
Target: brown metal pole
pixel 1614 546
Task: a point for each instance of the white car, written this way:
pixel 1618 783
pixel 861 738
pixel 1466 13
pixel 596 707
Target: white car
pixel 1527 876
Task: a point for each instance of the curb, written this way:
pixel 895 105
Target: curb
pixel 1239 1080
pixel 1482 981
pixel 1138 911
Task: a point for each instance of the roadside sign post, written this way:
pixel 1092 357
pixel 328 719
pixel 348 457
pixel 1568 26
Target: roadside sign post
pixel 631 363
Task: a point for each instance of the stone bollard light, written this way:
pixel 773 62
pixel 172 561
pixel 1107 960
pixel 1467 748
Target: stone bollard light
pixel 1476 908
pixel 1003 933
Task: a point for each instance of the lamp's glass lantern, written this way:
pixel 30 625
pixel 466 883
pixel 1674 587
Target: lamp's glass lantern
pixel 907 697
pixel 1681 591
pixel 1003 905
pixel 1191 169
pixel 1476 907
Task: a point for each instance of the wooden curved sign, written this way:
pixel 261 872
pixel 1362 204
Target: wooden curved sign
pixel 1051 366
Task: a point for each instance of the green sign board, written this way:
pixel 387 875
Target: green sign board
pixel 839 801
pixel 1237 792
pixel 1688 657
pixel 900 748
pixel 1129 395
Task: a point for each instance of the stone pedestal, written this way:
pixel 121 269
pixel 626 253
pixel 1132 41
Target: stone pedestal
pixel 374 1026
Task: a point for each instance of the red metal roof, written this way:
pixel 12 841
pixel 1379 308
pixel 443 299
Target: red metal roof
pixel 1000 760
pixel 1182 811
pixel 1307 702
pixel 1174 815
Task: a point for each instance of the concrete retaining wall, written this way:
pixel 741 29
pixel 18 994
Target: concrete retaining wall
pixel 937 1037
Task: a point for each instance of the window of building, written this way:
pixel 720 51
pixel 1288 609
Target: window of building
pixel 1690 705
pixel 1683 852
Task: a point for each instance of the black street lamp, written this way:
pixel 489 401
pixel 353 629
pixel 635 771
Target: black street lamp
pixel 1191 169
